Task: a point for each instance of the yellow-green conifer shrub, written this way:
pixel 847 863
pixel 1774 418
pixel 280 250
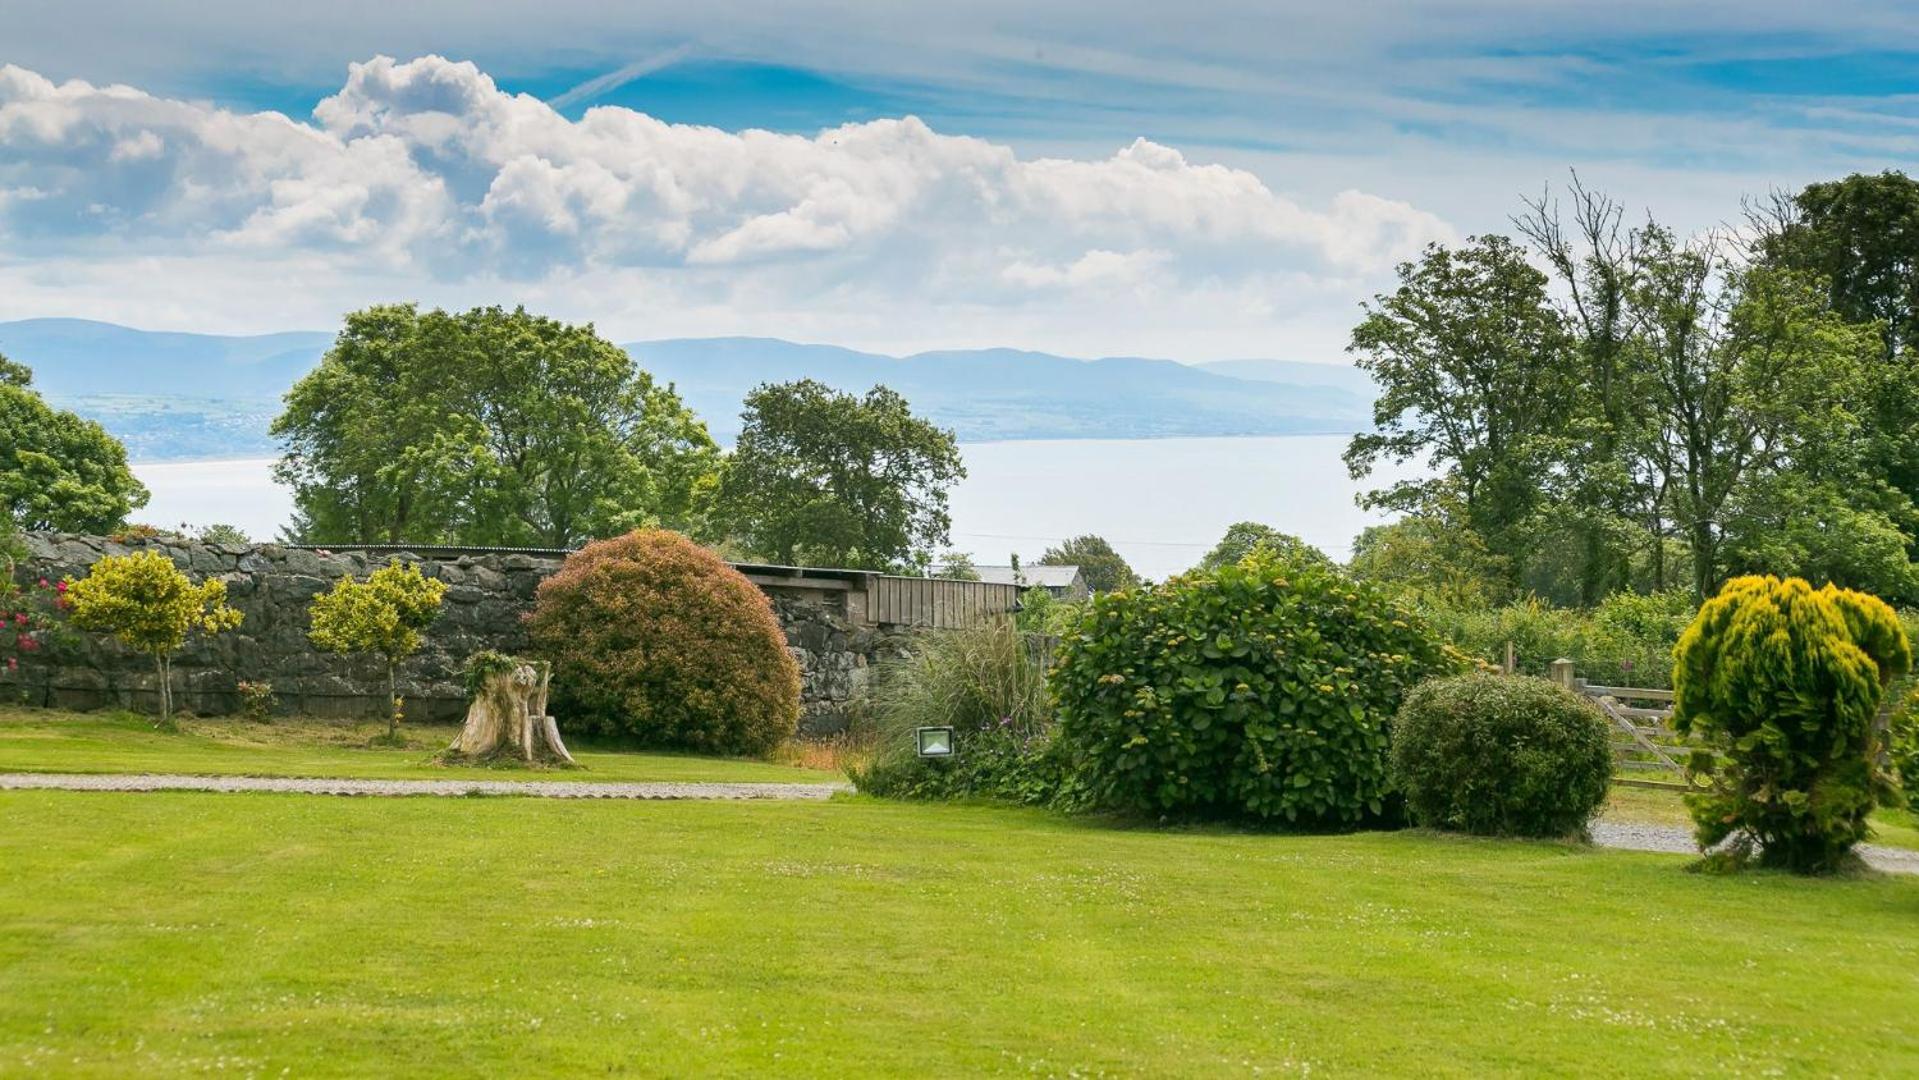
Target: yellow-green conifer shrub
pixel 1783 681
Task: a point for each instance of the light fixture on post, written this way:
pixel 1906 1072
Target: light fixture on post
pixel 934 742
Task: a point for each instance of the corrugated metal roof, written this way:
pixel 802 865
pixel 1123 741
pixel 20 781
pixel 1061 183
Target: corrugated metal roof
pixel 1051 577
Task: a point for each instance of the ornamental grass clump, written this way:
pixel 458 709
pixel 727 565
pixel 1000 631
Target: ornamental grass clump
pixel 1782 682
pixel 1261 690
pixel 1500 755
pixel 655 638
pixel 987 683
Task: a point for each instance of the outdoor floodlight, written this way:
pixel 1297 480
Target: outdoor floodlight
pixel 935 741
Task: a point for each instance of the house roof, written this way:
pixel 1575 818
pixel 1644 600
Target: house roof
pixel 1051 577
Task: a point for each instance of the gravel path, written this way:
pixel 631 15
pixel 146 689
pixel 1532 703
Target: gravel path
pixel 544 789
pixel 1637 836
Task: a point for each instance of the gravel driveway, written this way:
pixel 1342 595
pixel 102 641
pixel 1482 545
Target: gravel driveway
pixel 544 789
pixel 1635 836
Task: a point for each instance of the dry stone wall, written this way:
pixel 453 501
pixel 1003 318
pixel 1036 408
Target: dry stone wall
pixel 272 585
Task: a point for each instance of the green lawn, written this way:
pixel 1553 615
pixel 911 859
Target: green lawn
pixel 168 933
pixel 40 740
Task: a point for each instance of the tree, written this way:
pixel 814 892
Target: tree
pixel 1098 563
pixel 58 471
pixel 1860 237
pixel 1428 557
pixel 828 478
pixel 957 566
pixel 146 603
pixel 383 616
pixel 1750 375
pixel 1608 493
pixel 485 427
pixel 1245 537
pixel 1475 370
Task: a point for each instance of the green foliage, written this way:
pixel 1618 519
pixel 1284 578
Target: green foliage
pixel 655 638
pixel 1432 558
pixel 1262 690
pixel 383 616
pixel 150 606
pixel 1500 755
pixel 1903 732
pixel 1040 612
pixel 1783 682
pixel 1244 537
pixel 221 534
pixel 58 471
pixel 485 427
pixel 1627 640
pixel 1101 566
pixel 484 665
pixel 830 479
pixel 988 684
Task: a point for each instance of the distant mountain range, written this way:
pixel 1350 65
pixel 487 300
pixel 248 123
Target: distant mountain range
pixel 175 396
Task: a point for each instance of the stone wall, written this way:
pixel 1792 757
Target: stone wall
pixel 486 596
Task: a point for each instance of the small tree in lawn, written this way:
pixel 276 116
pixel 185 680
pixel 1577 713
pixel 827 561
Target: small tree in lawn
pixel 382 615
pixel 145 601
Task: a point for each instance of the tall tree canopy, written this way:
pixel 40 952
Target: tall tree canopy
pixel 1101 566
pixel 486 427
pixel 828 478
pixel 1475 373
pixel 1668 398
pixel 58 471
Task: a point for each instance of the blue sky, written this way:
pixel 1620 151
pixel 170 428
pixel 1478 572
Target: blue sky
pixel 1447 112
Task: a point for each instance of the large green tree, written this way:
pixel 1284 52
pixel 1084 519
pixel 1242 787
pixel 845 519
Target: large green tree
pixel 1476 371
pixel 1751 377
pixel 58 471
pixel 1859 236
pixel 837 479
pixel 486 427
pixel 1102 567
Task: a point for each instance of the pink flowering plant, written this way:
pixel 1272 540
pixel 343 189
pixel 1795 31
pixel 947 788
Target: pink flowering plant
pixel 30 616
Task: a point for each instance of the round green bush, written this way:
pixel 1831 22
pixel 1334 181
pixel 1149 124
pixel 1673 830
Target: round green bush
pixel 1259 690
pixel 1500 755
pixel 655 638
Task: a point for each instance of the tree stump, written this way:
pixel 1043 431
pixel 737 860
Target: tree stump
pixel 508 717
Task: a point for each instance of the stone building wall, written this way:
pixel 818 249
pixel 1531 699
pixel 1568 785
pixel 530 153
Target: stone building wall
pixel 272 585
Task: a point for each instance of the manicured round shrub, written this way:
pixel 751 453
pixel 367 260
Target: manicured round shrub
pixel 1500 755
pixel 1262 690
pixel 654 637
pixel 1782 681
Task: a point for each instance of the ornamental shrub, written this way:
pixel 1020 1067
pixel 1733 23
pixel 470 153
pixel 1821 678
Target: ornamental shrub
pixel 655 638
pixel 1783 682
pixel 1262 689
pixel 1500 755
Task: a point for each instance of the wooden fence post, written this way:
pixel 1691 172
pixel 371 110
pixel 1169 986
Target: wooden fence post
pixel 1562 673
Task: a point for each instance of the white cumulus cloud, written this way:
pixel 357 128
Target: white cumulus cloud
pixel 426 176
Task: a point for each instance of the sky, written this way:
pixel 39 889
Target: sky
pixel 1213 181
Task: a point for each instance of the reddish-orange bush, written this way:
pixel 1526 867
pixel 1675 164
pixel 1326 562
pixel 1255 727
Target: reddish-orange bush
pixel 655 637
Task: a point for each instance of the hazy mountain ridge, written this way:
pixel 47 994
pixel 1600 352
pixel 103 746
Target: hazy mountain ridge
pixel 180 396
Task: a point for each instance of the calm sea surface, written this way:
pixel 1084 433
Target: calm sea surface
pixel 1162 502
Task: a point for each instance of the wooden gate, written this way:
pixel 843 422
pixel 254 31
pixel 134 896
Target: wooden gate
pixel 1644 741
